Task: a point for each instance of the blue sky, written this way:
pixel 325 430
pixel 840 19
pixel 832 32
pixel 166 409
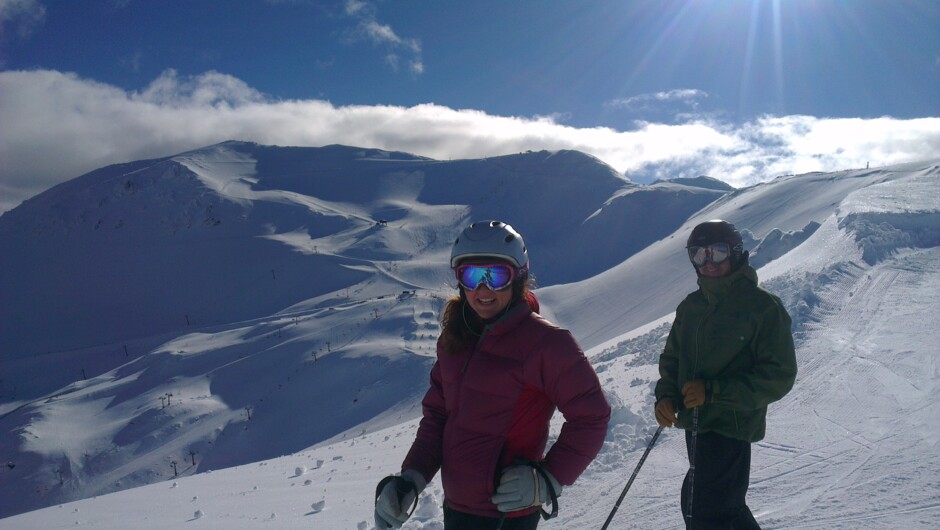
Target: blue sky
pixel 743 90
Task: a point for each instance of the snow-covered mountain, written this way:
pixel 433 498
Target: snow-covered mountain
pixel 248 329
pixel 238 231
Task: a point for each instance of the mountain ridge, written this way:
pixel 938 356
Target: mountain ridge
pixel 152 222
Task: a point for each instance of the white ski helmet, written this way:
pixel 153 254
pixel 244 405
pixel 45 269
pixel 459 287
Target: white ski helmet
pixel 490 239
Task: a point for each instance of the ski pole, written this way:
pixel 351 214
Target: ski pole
pixel 692 465
pixel 632 477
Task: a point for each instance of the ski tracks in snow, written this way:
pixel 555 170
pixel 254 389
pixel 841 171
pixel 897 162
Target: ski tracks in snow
pixel 864 360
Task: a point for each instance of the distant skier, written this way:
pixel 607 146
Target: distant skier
pixel 729 354
pixel 501 371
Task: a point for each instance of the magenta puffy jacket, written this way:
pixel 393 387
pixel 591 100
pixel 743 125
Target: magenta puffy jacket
pixel 491 405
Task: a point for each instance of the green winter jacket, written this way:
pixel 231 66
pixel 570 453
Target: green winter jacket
pixel 736 337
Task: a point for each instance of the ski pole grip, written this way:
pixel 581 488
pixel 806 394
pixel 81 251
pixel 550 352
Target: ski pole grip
pixel 404 487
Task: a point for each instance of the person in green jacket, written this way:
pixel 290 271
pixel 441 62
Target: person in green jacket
pixel 729 354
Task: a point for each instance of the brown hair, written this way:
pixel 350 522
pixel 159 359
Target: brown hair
pixel 460 325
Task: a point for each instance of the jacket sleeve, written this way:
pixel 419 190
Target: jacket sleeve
pixel 426 452
pixel 774 370
pixel 572 385
pixel 668 385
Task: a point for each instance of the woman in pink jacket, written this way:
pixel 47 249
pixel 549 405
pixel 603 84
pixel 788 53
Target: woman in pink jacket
pixel 501 372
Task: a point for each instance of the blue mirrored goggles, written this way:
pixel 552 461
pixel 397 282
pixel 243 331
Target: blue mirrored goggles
pixel 496 276
pixel 716 253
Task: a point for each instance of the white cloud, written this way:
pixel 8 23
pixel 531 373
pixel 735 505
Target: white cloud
pixel 384 34
pixel 24 16
pixel 55 126
pixel 686 96
pixel 355 7
pixel 206 90
pixel 371 29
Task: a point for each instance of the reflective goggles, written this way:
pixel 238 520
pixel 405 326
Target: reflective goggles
pixel 496 276
pixel 716 253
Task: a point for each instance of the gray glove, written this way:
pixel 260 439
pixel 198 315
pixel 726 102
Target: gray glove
pixel 395 497
pixel 523 486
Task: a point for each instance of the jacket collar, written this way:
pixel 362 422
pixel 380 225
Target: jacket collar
pixel 717 289
pixel 516 313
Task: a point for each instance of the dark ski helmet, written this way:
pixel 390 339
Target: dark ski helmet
pixel 719 231
pixel 490 239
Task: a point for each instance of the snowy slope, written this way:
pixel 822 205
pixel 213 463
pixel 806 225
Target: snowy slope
pixel 784 205
pixel 854 446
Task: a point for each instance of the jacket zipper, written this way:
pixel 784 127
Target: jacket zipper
pixel 698 346
pixel 474 350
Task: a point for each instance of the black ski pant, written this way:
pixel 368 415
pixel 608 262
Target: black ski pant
pixel 454 520
pixel 722 474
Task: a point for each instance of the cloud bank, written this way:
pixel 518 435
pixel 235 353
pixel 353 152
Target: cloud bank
pixel 55 126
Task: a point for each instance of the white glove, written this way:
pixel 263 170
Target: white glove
pixel 393 503
pixel 523 486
